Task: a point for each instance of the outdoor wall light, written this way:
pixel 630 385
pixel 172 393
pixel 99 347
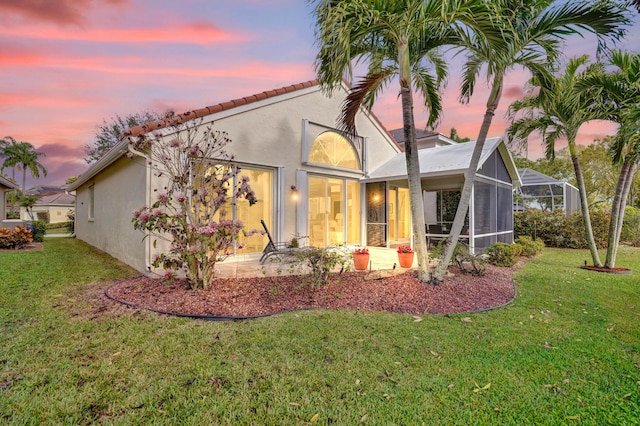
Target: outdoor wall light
pixel 294 193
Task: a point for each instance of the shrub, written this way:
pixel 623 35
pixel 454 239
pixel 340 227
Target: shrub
pixel 71 224
pixel 466 262
pixel 502 254
pixel 323 260
pixel 40 230
pixel 631 226
pixel 557 230
pixel 529 246
pixel 16 238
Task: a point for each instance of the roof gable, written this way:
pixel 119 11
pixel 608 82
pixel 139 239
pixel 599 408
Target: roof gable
pixel 213 109
pixel 445 160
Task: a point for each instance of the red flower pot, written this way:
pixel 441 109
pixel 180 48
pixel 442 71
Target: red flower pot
pixel 360 261
pixel 405 259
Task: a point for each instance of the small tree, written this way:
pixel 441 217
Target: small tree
pixel 190 211
pixel 111 132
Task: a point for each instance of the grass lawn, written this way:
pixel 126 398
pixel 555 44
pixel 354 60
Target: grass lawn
pixel 566 351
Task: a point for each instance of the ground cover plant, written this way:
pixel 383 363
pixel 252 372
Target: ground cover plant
pixel 564 352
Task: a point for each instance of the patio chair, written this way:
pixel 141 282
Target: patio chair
pixel 273 247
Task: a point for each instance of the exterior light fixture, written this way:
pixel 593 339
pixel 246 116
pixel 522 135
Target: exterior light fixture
pixel 295 194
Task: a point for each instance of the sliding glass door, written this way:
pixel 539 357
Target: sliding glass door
pixel 334 211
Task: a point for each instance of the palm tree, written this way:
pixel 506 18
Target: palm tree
pixel 618 93
pixel 558 111
pixel 23 156
pixel 395 39
pixel 532 33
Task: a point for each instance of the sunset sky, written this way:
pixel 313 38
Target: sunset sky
pixel 67 65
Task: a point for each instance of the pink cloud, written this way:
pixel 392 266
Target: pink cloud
pixel 59 11
pixel 200 33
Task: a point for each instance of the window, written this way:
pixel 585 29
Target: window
pixel 90 209
pixel 333 149
pixel 261 182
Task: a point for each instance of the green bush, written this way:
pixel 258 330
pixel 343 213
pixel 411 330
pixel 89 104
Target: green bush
pixel 502 254
pixel 557 230
pixel 529 246
pixel 323 260
pixel 41 229
pixel 631 226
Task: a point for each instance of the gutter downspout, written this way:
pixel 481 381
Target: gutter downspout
pixel 147 248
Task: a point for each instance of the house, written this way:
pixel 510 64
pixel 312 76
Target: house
pixel 310 179
pixel 54 207
pixel 542 192
pixel 5 186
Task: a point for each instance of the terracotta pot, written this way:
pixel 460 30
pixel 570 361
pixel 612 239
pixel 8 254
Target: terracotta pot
pixel 360 261
pixel 405 260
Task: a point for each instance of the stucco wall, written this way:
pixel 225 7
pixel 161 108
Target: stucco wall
pixel 270 134
pixel 118 191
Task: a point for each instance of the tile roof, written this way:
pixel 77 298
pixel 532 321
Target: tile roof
pixel 202 112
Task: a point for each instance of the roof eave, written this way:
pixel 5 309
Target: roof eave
pixel 117 151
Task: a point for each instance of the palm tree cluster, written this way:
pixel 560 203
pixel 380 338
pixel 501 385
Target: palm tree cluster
pixel 21 156
pixel 403 41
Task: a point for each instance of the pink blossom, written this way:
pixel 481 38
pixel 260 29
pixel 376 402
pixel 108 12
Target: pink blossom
pixel 157 212
pixel 182 198
pixel 136 213
pixel 145 216
pixel 175 143
pixel 163 198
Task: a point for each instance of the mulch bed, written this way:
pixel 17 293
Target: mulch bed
pixel 609 270
pixel 246 297
pixel 33 246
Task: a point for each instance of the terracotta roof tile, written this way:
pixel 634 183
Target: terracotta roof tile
pixel 201 112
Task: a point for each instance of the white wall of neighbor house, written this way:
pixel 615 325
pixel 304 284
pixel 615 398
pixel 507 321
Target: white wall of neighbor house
pixel 104 207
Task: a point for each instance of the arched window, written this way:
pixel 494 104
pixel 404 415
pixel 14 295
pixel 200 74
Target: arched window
pixel 333 149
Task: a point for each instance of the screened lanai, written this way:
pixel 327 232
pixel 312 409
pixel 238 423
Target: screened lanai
pixel 542 192
pixel 490 217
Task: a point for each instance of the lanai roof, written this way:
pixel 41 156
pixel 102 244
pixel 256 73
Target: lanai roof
pixel 443 160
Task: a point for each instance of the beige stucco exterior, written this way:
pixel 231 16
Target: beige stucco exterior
pixel 275 133
pixel 117 190
pixel 5 185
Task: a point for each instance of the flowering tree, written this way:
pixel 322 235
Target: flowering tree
pixel 190 210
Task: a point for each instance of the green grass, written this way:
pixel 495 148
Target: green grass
pixel 564 352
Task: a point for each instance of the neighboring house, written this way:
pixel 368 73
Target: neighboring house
pixel 52 208
pixel 542 192
pixel 424 138
pixel 310 179
pixel 5 186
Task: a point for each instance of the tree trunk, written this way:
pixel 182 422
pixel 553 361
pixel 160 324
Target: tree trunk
pixel 615 212
pixel 586 218
pixel 469 179
pixel 413 165
pixel 629 169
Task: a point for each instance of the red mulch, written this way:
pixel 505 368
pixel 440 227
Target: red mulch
pixel 32 246
pixel 609 270
pixel 245 297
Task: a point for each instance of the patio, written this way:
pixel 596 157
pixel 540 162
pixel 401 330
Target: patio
pixel 249 265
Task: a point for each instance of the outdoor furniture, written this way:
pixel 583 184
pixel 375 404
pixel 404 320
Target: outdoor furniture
pixel 275 248
pixel 436 233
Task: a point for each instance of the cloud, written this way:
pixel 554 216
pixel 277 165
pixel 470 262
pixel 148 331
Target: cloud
pixel 65 12
pixel 198 33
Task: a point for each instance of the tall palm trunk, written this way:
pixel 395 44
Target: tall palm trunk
pixel 586 217
pixel 617 210
pixel 469 179
pixel 413 164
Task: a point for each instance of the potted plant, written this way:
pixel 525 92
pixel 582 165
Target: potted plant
pixel 361 258
pixel 405 256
